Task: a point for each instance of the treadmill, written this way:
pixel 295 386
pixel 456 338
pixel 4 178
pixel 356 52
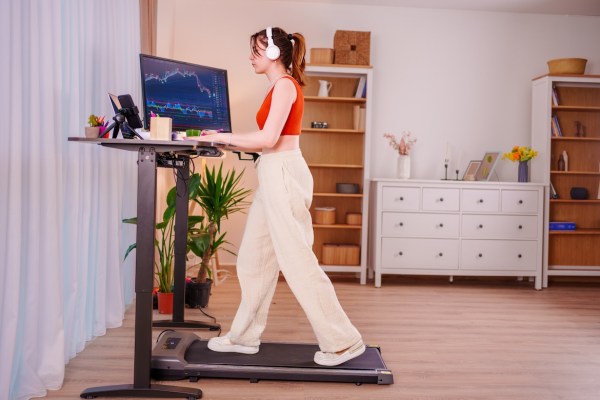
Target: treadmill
pixel 183 355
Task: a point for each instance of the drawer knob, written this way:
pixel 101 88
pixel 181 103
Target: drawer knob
pixel 441 254
pixel 400 253
pixel 400 224
pixel 520 256
pixel 520 201
pixel 520 226
pixel 401 198
pixel 480 255
pixel 441 225
pixel 480 201
pixel 442 199
pixel 480 226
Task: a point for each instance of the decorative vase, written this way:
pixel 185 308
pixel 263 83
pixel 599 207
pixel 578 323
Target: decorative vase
pixel 523 171
pixel 403 171
pixel 165 303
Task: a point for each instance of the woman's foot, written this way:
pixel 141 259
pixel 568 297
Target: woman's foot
pixel 222 344
pixel 333 359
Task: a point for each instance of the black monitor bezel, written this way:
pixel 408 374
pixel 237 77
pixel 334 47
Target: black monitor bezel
pixel 175 127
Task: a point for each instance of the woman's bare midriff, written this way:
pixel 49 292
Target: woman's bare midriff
pixel 285 143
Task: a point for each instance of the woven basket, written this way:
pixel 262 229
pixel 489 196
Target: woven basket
pixel 352 47
pixel 574 66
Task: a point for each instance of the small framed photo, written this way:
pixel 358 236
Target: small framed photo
pixel 488 162
pixel 471 170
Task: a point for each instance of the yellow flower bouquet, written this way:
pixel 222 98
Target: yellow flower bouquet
pixel 520 153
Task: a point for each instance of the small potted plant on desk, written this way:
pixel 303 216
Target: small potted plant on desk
pixel 218 195
pixel 96 127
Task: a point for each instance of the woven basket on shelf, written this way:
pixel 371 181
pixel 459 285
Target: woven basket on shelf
pixel 352 47
pixel 567 66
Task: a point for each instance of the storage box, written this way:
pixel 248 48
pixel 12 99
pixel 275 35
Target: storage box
pixel 353 218
pixel 352 47
pixel 160 128
pixel 325 215
pixel 341 254
pixel 321 56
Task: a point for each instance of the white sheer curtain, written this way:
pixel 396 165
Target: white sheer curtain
pixel 62 276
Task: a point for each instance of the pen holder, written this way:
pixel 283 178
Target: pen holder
pixel 160 128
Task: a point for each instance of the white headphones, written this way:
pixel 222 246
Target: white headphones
pixel 272 52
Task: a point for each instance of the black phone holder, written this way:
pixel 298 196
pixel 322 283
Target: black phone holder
pixel 126 119
pixel 120 124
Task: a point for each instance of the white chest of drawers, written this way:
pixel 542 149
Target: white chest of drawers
pixel 456 228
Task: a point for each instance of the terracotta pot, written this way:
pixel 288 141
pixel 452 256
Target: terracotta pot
pixel 165 303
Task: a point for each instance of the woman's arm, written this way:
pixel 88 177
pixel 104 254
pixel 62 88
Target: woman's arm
pixel 284 95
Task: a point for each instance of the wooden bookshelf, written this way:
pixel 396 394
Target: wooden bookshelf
pixel 338 154
pixel 573 252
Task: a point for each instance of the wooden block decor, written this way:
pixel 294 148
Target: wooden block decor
pixel 352 47
pixel 321 56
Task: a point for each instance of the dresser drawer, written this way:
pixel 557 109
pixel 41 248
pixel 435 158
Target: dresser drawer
pixel 520 201
pixel 419 253
pixel 440 199
pixel 401 198
pixel 499 226
pixel 499 255
pixel 480 200
pixel 422 225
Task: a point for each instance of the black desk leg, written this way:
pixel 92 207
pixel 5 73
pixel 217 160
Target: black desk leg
pixel 181 216
pixel 144 282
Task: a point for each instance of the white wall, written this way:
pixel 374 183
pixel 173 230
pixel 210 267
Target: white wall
pixel 456 79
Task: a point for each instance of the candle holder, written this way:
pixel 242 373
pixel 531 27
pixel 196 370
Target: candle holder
pixel 446 161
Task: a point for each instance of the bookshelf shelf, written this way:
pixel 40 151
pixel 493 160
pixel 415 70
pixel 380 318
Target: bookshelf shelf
pixel 576 108
pixel 351 100
pixel 575 139
pixel 592 232
pixel 337 226
pixel 333 131
pixel 335 166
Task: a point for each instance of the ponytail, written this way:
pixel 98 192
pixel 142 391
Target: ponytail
pixel 298 60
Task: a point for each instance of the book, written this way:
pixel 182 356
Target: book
pixel 554 96
pixel 557 124
pixel 360 88
pixel 553 194
pixel 561 226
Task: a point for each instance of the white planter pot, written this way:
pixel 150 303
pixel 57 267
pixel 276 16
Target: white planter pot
pixel 403 171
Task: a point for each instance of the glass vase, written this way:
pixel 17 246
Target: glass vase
pixel 403 171
pixel 523 171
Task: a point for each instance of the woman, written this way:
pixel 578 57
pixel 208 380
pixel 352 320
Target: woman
pixel 278 234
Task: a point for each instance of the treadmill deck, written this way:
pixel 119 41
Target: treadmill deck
pixel 185 356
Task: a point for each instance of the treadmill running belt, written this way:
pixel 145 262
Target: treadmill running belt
pixel 275 355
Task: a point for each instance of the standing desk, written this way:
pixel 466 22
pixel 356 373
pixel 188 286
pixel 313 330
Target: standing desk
pixel 151 155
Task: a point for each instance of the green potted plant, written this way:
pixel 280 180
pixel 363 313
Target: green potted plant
pixel 164 243
pixel 218 195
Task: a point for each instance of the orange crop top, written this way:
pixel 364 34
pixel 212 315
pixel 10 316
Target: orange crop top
pixel 293 125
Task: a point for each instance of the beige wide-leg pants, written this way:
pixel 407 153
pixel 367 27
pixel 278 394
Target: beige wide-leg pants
pixel 279 236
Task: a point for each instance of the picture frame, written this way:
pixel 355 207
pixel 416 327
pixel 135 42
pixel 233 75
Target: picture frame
pixel 488 163
pixel 471 170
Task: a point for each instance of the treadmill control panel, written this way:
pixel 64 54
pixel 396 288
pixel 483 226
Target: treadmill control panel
pixel 171 343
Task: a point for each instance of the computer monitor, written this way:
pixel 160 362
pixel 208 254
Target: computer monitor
pixel 194 96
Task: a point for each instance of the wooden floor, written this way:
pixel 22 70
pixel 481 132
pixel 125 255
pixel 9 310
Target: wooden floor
pixel 471 339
